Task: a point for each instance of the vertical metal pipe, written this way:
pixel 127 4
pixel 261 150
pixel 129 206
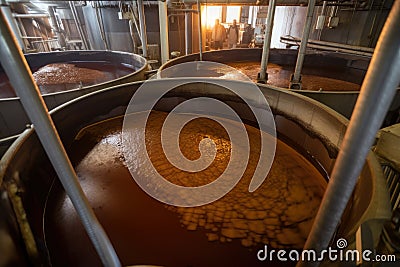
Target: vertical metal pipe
pixel 60 36
pixel 21 79
pixel 99 20
pixel 376 94
pixel 324 7
pixel 263 75
pixel 295 82
pixel 200 32
pixel 135 18
pixel 142 25
pixel 188 31
pixel 321 19
pixel 163 20
pixel 5 8
pixel 131 31
pixel 78 24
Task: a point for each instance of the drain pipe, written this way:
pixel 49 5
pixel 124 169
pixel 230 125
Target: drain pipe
pixel 142 25
pixel 376 94
pixel 295 80
pixel 78 24
pixel 200 32
pixel 163 20
pixel 263 75
pixel 21 79
pixel 188 31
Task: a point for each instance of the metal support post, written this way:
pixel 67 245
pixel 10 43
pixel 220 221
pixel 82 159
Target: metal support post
pixel 163 19
pixel 99 19
pixel 78 24
pixel 142 25
pixel 295 81
pixel 263 75
pixel 200 32
pixel 20 76
pixel 60 36
pixel 188 31
pixel 376 94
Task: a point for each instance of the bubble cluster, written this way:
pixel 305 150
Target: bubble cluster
pixel 279 213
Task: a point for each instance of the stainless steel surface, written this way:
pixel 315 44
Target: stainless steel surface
pixel 30 16
pixel 340 50
pixel 378 90
pixel 142 25
pixel 200 31
pixel 330 46
pixel 132 26
pixel 79 25
pixel 163 22
pixel 100 24
pixel 56 28
pixel 21 78
pixel 296 79
pixel 117 31
pixel 188 31
pixel 267 41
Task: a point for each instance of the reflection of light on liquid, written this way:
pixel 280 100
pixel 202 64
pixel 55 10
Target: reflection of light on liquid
pixel 112 139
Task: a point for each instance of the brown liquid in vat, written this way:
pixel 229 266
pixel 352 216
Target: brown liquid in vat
pixel 280 76
pixel 64 76
pixel 228 232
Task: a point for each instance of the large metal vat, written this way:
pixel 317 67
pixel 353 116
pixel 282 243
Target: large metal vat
pixel 339 66
pixel 304 123
pixel 13 118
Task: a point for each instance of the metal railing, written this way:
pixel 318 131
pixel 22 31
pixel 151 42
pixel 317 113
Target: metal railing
pixel 392 176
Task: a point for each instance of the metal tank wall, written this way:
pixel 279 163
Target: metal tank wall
pixel 117 33
pixel 307 123
pixel 358 25
pixel 341 101
pixel 13 118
